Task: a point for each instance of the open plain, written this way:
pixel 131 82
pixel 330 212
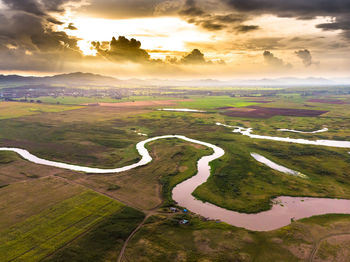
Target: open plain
pixel 73 209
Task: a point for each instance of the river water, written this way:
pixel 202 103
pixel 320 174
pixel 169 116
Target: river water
pixel 283 209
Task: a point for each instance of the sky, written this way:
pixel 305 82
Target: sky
pixel 222 39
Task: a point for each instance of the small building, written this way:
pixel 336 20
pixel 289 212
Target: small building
pixel 173 209
pixel 183 222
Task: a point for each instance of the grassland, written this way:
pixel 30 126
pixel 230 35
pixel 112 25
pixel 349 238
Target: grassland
pixel 149 186
pixel 43 233
pixel 14 109
pixel 208 102
pixel 20 201
pixel 103 242
pixel 163 239
pixel 227 88
pixel 106 137
pixel 238 181
pixel 79 100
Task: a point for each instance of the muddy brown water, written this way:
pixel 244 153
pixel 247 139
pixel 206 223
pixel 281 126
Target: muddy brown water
pixel 281 213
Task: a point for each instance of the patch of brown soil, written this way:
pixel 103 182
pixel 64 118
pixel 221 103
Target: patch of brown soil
pixel 267 112
pixel 261 101
pixel 21 170
pixel 241 109
pixel 327 101
pixel 141 103
pixel 183 168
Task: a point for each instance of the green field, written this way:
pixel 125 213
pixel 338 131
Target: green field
pixel 63 214
pixel 213 102
pixel 14 109
pixel 103 242
pixel 78 100
pixel 42 234
pixel 164 240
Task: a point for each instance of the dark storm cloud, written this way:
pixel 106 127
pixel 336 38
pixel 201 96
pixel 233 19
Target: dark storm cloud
pixel 213 22
pixel 340 23
pixel 29 6
pixel 56 5
pixel 28 28
pixel 117 9
pixel 274 61
pixel 122 49
pixel 190 9
pixel 247 28
pixel 212 25
pixel 293 8
pixel 301 9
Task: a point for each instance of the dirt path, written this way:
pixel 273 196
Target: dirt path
pixel 122 251
pixel 318 243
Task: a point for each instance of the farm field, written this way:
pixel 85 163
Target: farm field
pixel 33 230
pixel 89 205
pixel 174 131
pixel 71 100
pixel 14 110
pixel 215 102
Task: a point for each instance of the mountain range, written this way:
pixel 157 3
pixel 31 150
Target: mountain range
pixel 94 80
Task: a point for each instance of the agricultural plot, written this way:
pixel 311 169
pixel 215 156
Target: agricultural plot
pixel 16 109
pixel 45 232
pixel 213 102
pixel 103 242
pixel 20 201
pixel 266 112
pixel 105 136
pixel 149 186
pixel 79 100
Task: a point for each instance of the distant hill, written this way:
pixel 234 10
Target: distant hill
pixel 83 78
pixel 79 79
pixel 73 79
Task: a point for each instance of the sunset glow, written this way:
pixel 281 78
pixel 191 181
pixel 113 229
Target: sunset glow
pixel 79 37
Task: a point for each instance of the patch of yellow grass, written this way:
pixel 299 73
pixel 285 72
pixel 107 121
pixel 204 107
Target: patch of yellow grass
pixel 18 109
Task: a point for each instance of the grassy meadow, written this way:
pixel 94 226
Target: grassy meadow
pixel 60 215
pixel 17 109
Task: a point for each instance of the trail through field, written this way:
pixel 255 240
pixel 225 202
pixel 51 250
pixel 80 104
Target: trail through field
pixel 318 243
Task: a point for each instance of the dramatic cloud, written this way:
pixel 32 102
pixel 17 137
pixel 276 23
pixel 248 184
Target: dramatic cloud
pixel 28 27
pixel 305 56
pixel 215 22
pixel 301 9
pixel 246 28
pixel 195 57
pixel 340 23
pixel 292 8
pixel 123 49
pixel 117 9
pixel 274 61
pixel 30 6
pixel 50 35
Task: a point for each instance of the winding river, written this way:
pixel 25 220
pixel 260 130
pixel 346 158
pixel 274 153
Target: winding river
pixel 276 166
pixel 303 132
pixel 248 132
pixel 281 213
